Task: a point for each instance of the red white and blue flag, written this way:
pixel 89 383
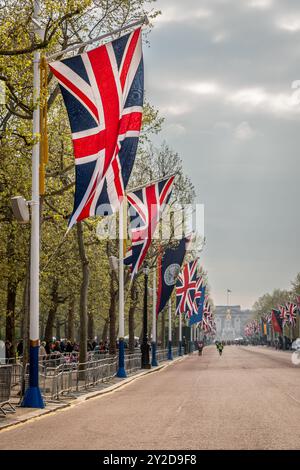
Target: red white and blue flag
pixel 103 92
pixel 145 208
pixel 186 286
pixel 206 321
pixel 291 311
pixel 283 314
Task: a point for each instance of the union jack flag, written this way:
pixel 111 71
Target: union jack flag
pixel 186 285
pixel 103 92
pixel 291 310
pixel 145 208
pixel 283 314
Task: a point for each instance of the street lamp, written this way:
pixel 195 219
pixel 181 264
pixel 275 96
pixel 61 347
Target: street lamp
pixel 145 346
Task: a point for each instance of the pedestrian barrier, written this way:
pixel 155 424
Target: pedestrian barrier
pixel 5 389
pixel 62 375
pixel 72 377
pixel 162 355
pixel 175 352
pixel 132 362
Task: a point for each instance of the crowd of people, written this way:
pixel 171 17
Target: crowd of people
pixel 55 348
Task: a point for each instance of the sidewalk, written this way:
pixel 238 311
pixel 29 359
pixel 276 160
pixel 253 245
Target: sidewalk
pixel 25 414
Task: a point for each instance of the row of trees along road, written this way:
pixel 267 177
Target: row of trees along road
pixel 267 302
pixel 79 292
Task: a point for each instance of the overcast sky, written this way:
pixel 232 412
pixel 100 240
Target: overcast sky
pixel 221 73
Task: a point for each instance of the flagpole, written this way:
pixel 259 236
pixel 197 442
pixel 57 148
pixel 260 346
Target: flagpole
pixel 141 21
pixel 121 369
pixel 180 336
pixel 170 352
pixel 137 188
pixel 191 338
pixel 154 362
pixel 33 397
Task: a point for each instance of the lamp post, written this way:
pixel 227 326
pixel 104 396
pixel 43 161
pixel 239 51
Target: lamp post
pixel 33 397
pixel 170 351
pixel 121 367
pixel 145 346
pixel 154 362
pixel 180 335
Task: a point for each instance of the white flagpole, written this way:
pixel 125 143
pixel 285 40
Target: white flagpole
pixel 142 21
pixel 170 352
pixel 154 362
pixel 33 397
pixel 121 369
pixel 180 335
pixel 191 338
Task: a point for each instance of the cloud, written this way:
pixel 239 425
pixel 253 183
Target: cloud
pixel 290 24
pixel 257 99
pixel 261 4
pixel 203 88
pixel 175 110
pixel 248 97
pixel 223 80
pixel 176 14
pixel 244 132
pixel 175 130
pixel 219 38
pixel 223 125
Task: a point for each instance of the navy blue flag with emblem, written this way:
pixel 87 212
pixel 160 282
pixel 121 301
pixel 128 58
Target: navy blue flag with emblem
pixel 197 317
pixel 168 271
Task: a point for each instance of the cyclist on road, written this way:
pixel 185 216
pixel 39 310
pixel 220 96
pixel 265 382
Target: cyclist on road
pixel 219 347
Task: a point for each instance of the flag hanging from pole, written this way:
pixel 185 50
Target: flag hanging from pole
pixel 186 287
pixel 291 310
pixel 276 321
pixel 103 92
pixel 283 314
pixel 145 208
pixel 198 303
pixel 168 270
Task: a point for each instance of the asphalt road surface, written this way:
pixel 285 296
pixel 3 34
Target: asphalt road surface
pixel 247 399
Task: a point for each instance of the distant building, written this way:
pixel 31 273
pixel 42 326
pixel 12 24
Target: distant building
pixel 231 321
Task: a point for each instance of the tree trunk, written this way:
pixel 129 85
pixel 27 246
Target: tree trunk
pixel 71 329
pixel 58 334
pixel 112 318
pixel 83 295
pixel 131 324
pixel 52 311
pixel 91 326
pixel 105 330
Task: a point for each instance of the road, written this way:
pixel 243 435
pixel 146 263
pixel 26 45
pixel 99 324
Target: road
pixel 247 399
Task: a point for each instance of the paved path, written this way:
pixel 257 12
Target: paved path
pixel 247 399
